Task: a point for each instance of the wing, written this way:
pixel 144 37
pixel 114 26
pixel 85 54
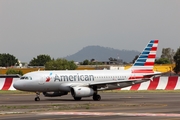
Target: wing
pixel 117 84
pixel 125 83
pixel 114 84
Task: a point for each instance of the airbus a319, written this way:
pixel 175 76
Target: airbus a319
pixel 86 83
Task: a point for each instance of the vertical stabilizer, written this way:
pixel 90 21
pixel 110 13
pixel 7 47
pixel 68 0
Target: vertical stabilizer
pixel 146 59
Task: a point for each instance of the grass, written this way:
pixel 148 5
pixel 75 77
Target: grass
pixel 62 107
pixel 13 92
pixel 47 107
pixel 141 91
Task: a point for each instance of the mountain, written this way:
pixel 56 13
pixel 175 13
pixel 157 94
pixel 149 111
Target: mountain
pixel 100 53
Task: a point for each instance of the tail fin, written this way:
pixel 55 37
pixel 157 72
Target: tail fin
pixel 146 59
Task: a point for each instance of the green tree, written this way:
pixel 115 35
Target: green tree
pixel 85 62
pixel 166 56
pixel 168 53
pixel 177 61
pixel 7 60
pixel 135 58
pixel 112 59
pixel 13 71
pixel 40 60
pixel 162 61
pixel 91 62
pixel 95 63
pixel 60 64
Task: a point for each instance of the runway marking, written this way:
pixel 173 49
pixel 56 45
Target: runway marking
pixel 111 114
pixel 4 113
pixel 65 118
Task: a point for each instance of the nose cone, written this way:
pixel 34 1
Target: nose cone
pixel 18 85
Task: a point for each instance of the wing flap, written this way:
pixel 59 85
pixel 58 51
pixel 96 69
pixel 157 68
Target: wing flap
pixel 153 75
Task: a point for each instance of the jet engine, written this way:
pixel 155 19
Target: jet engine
pixel 54 94
pixel 82 91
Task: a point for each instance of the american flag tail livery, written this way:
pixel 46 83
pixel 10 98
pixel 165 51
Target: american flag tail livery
pixel 145 62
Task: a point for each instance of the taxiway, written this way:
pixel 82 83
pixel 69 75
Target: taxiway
pixel 114 106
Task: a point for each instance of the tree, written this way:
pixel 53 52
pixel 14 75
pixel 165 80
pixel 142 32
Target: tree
pixel 162 61
pixel 40 60
pixel 177 61
pixel 168 53
pixel 13 71
pixel 166 56
pixel 60 64
pixel 7 60
pixel 112 59
pixel 92 60
pixel 135 58
pixel 85 62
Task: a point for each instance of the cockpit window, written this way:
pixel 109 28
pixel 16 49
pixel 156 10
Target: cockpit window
pixel 30 78
pixel 26 78
pixel 22 77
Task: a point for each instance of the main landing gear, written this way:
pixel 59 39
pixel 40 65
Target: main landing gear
pixel 96 96
pixel 37 98
pixel 77 98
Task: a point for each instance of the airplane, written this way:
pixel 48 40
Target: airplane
pixel 86 83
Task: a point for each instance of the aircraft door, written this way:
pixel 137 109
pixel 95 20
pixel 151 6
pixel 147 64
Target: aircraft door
pixel 42 80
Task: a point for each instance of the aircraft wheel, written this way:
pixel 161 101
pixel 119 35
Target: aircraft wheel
pixel 96 97
pixel 37 99
pixel 77 98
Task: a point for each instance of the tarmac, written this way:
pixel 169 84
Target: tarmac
pixel 114 106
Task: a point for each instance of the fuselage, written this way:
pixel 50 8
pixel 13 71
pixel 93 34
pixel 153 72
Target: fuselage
pixel 45 81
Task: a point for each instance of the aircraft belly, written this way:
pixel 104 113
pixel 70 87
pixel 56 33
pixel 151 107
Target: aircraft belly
pixel 48 87
pixel 41 88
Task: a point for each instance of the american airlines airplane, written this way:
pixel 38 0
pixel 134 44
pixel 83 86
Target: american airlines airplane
pixel 86 83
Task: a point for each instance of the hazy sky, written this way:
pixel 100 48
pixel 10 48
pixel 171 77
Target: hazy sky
pixel 62 27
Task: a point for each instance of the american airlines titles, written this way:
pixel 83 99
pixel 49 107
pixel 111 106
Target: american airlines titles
pixel 73 78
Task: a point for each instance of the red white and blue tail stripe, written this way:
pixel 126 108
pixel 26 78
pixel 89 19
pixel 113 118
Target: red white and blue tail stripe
pixel 145 61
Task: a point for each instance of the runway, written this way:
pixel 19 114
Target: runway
pixel 114 106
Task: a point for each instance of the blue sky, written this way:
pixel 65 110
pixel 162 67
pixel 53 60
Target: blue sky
pixel 60 27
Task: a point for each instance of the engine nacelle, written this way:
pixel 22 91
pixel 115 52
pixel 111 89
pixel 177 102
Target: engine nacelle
pixel 54 94
pixel 82 91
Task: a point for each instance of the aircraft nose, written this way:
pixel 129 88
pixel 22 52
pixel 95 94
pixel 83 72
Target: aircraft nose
pixel 18 85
